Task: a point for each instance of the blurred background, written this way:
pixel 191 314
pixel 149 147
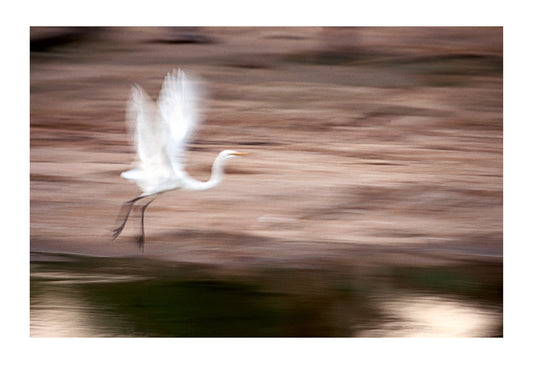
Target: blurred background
pixel 371 203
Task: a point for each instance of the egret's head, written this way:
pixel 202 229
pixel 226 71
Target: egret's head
pixel 218 165
pixel 230 153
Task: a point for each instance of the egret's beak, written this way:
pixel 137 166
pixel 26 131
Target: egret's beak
pixel 239 154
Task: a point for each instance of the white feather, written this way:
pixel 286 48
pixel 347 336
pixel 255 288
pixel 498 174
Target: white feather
pixel 161 131
pixel 179 101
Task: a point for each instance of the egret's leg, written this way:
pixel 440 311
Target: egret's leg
pixel 141 238
pixel 126 206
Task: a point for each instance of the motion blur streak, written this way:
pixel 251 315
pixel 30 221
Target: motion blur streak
pixel 376 155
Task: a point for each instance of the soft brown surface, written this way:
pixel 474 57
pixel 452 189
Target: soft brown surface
pixel 363 141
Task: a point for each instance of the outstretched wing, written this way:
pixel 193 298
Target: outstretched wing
pixel 149 137
pixel 179 101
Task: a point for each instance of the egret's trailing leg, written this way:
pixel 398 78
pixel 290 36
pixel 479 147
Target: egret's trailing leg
pixel 141 238
pixel 128 206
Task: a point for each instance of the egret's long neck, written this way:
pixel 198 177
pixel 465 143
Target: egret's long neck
pixel 217 173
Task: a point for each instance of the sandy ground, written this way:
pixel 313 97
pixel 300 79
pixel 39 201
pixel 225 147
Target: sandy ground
pixel 366 144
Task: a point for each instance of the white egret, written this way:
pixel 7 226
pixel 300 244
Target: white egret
pixel 160 133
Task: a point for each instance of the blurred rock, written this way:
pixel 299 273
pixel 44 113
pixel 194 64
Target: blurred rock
pixel 47 38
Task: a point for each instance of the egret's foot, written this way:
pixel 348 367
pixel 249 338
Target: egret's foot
pixel 117 231
pixel 140 242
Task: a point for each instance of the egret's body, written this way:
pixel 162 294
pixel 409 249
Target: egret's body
pixel 160 133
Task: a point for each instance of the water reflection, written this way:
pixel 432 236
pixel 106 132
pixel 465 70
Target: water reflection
pixel 107 297
pixel 429 316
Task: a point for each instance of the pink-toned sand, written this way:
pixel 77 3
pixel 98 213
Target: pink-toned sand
pixel 366 144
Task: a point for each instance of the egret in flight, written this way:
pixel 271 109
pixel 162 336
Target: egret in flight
pixel 161 132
